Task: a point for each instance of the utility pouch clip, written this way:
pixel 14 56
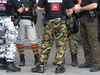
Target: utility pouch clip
pixel 92 15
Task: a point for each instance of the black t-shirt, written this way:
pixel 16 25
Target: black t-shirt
pixel 69 3
pixel 17 3
pixel 84 3
pixel 75 1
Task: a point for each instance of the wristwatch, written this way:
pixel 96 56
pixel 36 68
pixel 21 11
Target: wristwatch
pixel 81 9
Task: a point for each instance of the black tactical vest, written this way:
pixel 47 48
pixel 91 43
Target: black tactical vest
pixel 55 9
pixel 75 1
pixel 28 4
pixel 7 8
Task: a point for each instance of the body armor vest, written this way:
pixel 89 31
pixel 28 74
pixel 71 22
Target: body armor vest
pixel 55 9
pixel 7 8
pixel 28 4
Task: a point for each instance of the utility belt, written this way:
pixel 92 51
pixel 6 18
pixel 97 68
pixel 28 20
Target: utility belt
pixel 16 19
pixel 27 17
pixel 63 17
pixel 91 15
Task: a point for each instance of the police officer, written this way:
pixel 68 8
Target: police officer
pixel 8 32
pixel 55 16
pixel 73 44
pixel 89 35
pixel 27 25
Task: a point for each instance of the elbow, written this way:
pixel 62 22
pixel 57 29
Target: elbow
pixel 38 9
pixel 20 10
pixel 95 5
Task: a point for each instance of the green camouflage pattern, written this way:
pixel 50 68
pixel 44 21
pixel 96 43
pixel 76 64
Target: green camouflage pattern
pixel 54 29
pixel 73 40
pixel 89 36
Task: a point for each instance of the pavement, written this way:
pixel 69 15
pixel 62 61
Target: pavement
pixel 50 69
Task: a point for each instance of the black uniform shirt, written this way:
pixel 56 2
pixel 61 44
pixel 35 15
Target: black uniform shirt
pixel 16 3
pixel 84 3
pixel 75 1
pixel 69 3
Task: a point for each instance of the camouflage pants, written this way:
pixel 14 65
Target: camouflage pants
pixel 57 29
pixel 8 49
pixel 90 42
pixel 73 44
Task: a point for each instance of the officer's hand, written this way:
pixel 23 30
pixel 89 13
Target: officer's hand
pixel 77 10
pixel 69 11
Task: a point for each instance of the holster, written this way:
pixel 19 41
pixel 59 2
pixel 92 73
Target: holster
pixel 67 19
pixel 34 18
pixel 44 19
pixel 76 22
pixel 15 20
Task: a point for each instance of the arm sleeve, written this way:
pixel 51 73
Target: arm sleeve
pixel 17 4
pixel 40 3
pixel 70 4
pixel 34 2
pixel 95 1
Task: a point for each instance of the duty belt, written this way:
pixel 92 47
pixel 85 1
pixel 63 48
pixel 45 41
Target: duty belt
pixel 26 17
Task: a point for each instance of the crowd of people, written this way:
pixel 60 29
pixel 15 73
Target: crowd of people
pixel 62 20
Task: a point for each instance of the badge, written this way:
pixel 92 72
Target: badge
pixel 54 6
pixel 55 1
pixel 26 9
pixel 2 7
pixel 3 1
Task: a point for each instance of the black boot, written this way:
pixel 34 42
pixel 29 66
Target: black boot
pixel 38 69
pixel 22 60
pixel 59 70
pixel 12 68
pixel 36 58
pixel 2 63
pixel 74 59
pixel 94 68
pixel 85 65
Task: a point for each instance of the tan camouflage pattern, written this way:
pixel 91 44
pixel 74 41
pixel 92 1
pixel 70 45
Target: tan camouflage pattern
pixel 73 40
pixel 89 35
pixel 54 29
